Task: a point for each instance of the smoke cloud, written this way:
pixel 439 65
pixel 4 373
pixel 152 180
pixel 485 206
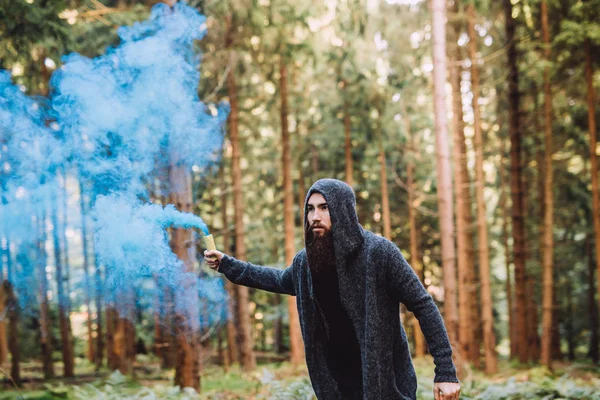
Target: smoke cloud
pixel 118 122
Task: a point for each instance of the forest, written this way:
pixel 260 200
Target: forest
pixel 130 130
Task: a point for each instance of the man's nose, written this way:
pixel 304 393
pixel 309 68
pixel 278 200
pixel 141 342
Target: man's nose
pixel 316 216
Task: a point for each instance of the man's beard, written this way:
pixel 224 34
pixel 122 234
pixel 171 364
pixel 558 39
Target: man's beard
pixel 320 250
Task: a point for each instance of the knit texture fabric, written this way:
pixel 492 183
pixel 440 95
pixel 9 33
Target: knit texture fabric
pixel 374 278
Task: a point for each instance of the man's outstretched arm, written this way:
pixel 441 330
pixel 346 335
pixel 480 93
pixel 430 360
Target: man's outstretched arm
pixel 408 289
pixel 247 274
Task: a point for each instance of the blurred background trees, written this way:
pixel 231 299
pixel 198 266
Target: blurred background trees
pixel 345 89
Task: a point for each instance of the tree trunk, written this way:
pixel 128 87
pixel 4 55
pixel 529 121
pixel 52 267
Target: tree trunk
pixel 296 345
pixel 278 326
pixel 3 313
pixel 161 296
pixel 464 239
pixel 167 346
pixel 570 328
pixel 518 222
pixel 314 162
pixel 444 169
pixel 45 325
pixel 301 192
pixel 347 139
pixel 414 249
pixel 489 338
pixel 547 255
pixel 3 336
pixel 541 177
pixel 385 197
pixel 168 341
pixel 533 338
pixel 66 334
pixel 187 307
pixel 65 243
pixel 86 273
pixel 243 318
pixel 168 334
pixel 415 259
pixel 111 357
pixel 555 332
pixel 592 305
pixel 123 331
pixel 505 235
pixel 99 335
pixel 9 271
pixel 221 352
pixel 531 310
pixel 11 306
pixel 591 102
pixel 158 338
pixel 232 350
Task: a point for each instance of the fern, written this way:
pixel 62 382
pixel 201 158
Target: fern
pixel 300 389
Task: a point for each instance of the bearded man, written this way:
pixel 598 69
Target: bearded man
pixel 349 284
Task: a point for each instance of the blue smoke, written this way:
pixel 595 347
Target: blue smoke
pixel 138 104
pixel 120 121
pixel 29 157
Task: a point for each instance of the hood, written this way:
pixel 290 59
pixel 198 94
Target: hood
pixel 347 232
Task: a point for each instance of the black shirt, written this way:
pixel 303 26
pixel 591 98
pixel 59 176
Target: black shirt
pixel 343 351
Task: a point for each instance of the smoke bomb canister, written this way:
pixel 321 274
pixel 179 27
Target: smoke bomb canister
pixel 209 242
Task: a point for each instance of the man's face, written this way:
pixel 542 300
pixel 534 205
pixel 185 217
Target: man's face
pixel 318 217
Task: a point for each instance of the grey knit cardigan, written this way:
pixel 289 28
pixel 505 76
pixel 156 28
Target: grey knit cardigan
pixel 373 279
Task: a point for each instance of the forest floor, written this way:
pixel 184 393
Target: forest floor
pixel 275 381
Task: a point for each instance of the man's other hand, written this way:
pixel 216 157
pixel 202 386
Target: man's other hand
pixel 446 391
pixel 213 258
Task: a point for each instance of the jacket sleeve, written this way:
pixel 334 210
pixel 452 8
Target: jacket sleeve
pixel 265 278
pixel 406 288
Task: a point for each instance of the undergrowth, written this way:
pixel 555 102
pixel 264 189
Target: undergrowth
pixel 284 382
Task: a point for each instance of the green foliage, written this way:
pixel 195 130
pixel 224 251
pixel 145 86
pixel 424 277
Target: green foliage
pixel 299 389
pixel 117 387
pixel 91 38
pixel 564 388
pixel 25 24
pixel 215 381
pixel 281 383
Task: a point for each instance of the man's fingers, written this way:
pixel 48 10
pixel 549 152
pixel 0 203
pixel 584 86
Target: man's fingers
pixel 212 261
pixel 436 394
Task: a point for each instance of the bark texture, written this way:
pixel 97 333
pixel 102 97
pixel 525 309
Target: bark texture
pixel 296 346
pixel 66 335
pixel 438 8
pixel 548 248
pixel 86 273
pixel 187 307
pixel 11 305
pixel 591 102
pixel 415 259
pixel 385 196
pixel 464 238
pixel 232 348
pixel 489 338
pixel 518 223
pixel 245 344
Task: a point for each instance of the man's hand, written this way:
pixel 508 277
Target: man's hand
pixel 213 258
pixel 446 391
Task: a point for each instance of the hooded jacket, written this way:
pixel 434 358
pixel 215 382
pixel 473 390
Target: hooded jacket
pixel 374 278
